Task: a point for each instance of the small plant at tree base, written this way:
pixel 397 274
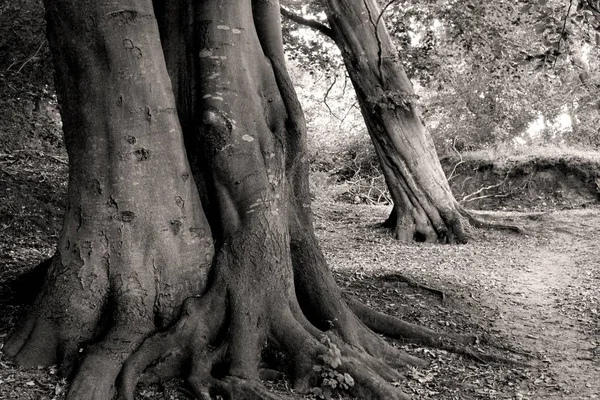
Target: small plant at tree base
pixel 331 380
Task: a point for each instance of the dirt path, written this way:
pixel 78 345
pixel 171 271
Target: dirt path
pixel 538 292
pixel 551 307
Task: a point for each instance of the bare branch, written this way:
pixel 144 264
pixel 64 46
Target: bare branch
pixel 348 112
pixel 592 6
pixel 311 23
pixel 31 58
pixel 458 163
pixel 562 34
pixel 470 197
pixel 327 96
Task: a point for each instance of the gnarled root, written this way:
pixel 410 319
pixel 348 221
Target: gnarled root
pixel 396 328
pixel 482 224
pixel 219 339
pixel 449 227
pixel 212 371
pixel 266 289
pixel 190 344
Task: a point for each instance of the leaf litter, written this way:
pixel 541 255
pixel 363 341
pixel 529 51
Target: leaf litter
pixel 536 295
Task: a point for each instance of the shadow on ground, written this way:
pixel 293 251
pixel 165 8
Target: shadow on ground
pixel 534 295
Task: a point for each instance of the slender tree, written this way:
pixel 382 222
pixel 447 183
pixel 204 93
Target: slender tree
pixel 188 246
pixel 424 207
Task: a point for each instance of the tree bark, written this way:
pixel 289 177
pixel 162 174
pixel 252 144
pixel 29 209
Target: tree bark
pixel 143 284
pixel 424 207
pixel 135 242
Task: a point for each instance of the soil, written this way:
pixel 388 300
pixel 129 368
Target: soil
pixel 564 180
pixel 535 295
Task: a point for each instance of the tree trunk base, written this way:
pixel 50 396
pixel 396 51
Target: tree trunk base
pixel 456 228
pixel 219 339
pixel 414 225
pixel 222 352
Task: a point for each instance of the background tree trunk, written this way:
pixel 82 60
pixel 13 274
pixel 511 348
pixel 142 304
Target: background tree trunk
pixel 424 206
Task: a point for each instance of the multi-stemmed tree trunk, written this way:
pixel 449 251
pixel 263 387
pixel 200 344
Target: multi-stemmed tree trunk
pixel 424 207
pixel 171 267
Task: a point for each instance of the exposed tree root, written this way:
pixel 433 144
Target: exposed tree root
pixel 220 354
pixel 433 226
pixel 396 328
pixel 411 282
pixel 210 369
pixel 482 224
pixel 393 327
pixel 456 226
pixel 190 344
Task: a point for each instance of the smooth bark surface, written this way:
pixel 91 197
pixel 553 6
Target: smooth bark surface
pixel 143 284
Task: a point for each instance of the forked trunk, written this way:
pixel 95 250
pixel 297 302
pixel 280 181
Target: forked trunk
pixel 136 246
pixel 424 206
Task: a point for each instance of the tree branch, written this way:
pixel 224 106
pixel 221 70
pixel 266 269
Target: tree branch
pixel 562 34
pixel 592 6
pixel 311 23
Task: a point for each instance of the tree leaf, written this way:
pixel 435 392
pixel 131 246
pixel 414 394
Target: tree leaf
pixel 348 379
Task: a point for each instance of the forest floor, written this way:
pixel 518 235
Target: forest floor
pixel 535 294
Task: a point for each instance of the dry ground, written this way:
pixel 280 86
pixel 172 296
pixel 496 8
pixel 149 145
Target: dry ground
pixel 537 294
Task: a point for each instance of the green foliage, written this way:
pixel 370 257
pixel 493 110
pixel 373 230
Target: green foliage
pixel 331 380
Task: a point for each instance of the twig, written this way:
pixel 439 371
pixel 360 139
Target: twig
pixel 460 157
pixel 466 198
pixel 562 33
pixel 487 196
pixel 475 375
pixel 368 240
pixel 30 58
pixel 383 11
pixel 345 84
pixel 327 95
pixel 592 6
pixel 37 153
pixel 60 160
pixel 11 65
pixel 348 112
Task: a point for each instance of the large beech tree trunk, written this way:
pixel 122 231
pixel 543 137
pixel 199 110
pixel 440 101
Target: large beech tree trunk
pixel 143 284
pixel 424 207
